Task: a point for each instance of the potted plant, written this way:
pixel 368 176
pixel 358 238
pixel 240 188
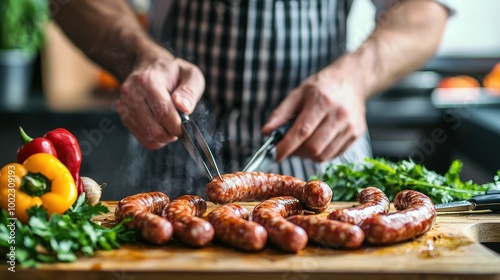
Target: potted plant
pixel 22 25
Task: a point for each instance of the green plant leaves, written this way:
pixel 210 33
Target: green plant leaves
pixel 61 238
pixel 347 180
pixel 22 24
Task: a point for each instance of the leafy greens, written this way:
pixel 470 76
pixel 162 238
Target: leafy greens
pixel 61 237
pixel 347 180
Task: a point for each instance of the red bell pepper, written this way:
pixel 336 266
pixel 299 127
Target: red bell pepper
pixel 68 152
pixel 33 146
pixel 59 143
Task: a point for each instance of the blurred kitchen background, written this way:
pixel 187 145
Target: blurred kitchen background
pixel 64 89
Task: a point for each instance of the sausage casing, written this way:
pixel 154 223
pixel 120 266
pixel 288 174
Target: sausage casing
pixel 184 213
pixel 329 232
pixel 145 208
pixel 253 186
pixel 372 201
pixel 416 215
pixel 272 214
pixel 232 227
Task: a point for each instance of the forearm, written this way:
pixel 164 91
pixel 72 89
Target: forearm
pixel 106 31
pixel 401 42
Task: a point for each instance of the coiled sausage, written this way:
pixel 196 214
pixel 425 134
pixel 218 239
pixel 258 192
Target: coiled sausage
pixel 252 186
pixel 372 201
pixel 232 227
pixel 416 215
pixel 184 213
pixel 271 214
pixel 145 208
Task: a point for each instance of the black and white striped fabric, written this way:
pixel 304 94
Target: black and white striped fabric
pixel 253 53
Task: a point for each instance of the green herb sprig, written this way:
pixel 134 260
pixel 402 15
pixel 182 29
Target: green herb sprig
pixel 347 180
pixel 62 238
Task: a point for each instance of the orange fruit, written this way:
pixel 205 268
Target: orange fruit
pixel 460 81
pixel 496 69
pixel 492 80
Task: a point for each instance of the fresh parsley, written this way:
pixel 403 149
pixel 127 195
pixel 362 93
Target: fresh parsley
pixel 347 180
pixel 62 238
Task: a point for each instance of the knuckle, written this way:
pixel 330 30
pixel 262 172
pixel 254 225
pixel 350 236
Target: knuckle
pixel 142 78
pixel 323 157
pixel 342 112
pixel 159 110
pixel 125 88
pixel 317 154
pixel 305 131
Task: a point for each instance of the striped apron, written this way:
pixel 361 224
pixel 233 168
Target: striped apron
pixel 252 53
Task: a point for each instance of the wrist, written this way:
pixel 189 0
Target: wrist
pixel 348 72
pixel 148 52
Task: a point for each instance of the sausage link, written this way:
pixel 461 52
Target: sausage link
pixel 252 186
pixel 372 201
pixel 145 208
pixel 231 227
pixel 329 232
pixel 272 214
pixel 184 213
pixel 416 215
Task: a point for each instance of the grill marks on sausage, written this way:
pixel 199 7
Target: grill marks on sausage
pixel 272 214
pixel 372 201
pixel 255 186
pixel 329 232
pixel 232 227
pixel 184 213
pixel 145 208
pixel 416 215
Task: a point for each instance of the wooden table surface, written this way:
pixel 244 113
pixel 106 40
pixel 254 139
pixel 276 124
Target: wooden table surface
pixel 450 250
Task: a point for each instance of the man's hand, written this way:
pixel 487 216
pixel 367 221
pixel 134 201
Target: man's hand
pixel 330 116
pixel 152 95
pixel 330 106
pixel 155 83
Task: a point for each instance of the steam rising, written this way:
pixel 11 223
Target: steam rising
pixel 171 169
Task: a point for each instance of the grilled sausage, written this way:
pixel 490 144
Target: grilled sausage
pixel 145 208
pixel 231 227
pixel 184 213
pixel 329 232
pixel 251 186
pixel 316 196
pixel 272 214
pixel 416 215
pixel 372 201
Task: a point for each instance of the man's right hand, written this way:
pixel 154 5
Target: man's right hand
pixel 155 84
pixel 151 96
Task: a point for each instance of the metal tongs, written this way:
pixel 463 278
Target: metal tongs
pixel 194 144
pixel 266 154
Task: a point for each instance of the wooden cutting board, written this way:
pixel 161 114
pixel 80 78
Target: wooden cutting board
pixel 450 250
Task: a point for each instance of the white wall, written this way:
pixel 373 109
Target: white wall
pixel 474 30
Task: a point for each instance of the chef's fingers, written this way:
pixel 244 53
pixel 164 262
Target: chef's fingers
pixel 318 145
pixel 339 145
pixel 163 109
pixel 190 87
pixel 314 110
pixel 140 122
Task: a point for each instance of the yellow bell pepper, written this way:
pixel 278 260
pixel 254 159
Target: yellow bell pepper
pixel 41 180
